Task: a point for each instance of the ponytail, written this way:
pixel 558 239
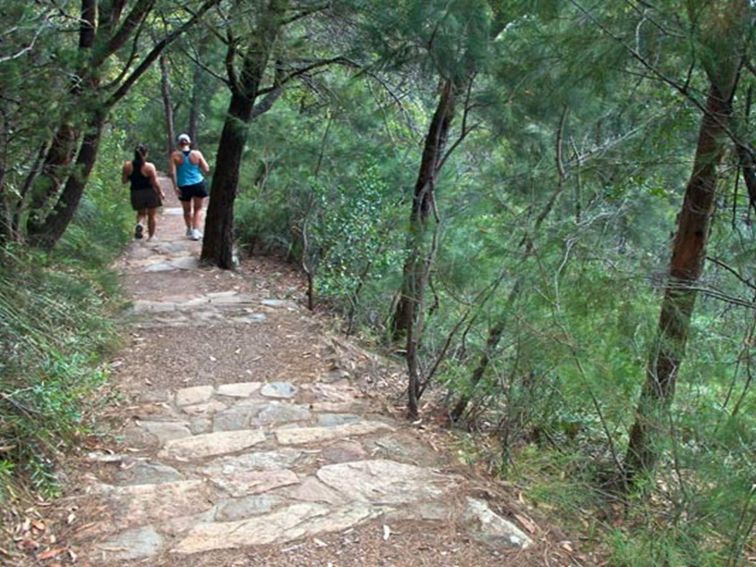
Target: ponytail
pixel 140 155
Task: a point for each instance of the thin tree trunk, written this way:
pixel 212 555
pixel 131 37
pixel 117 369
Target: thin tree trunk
pixel 686 265
pixel 55 168
pixel 47 234
pixel 194 104
pixel 422 208
pixel 165 92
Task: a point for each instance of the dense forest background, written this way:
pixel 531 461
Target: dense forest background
pixel 544 208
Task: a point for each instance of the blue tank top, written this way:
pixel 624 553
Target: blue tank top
pixel 188 173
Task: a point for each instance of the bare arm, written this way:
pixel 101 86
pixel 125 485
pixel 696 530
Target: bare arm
pixel 202 163
pixel 126 172
pixel 173 173
pixel 152 174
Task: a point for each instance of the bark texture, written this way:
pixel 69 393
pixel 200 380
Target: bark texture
pixel 218 243
pixel 689 246
pixel 423 203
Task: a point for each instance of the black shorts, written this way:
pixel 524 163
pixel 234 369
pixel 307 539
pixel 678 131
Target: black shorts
pixel 189 191
pixel 144 199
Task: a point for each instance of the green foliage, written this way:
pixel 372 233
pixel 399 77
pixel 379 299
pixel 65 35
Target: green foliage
pixel 55 329
pixel 53 333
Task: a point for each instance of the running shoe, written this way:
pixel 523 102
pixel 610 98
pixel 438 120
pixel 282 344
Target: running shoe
pixel 190 233
pixel 196 234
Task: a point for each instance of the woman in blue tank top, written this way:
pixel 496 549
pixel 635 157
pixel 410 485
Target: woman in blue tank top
pixel 187 167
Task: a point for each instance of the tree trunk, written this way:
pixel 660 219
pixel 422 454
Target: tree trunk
pixel 170 130
pixel 62 149
pixel 218 243
pixel 46 235
pixel 194 104
pixel 686 265
pixel 422 207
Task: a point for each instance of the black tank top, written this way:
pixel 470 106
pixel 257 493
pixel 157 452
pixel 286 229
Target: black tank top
pixel 139 181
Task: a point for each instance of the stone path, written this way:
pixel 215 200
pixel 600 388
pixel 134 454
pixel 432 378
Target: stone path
pixel 210 462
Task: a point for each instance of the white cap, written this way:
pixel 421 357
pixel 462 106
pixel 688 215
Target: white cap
pixel 184 139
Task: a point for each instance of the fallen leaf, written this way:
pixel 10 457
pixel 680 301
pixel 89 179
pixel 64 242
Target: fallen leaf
pixel 526 523
pixel 39 525
pixel 566 545
pixel 27 544
pixel 49 554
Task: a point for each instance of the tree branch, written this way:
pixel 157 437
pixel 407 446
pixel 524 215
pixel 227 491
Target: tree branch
pixel 155 53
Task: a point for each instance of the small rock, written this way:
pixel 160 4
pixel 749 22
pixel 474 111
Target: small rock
pixel 239 390
pixel 194 395
pixel 278 390
pixel 487 526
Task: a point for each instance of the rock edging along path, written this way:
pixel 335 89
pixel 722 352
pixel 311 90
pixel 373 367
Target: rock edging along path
pixel 231 445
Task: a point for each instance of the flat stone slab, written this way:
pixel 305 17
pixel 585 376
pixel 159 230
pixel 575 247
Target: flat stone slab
pixel 194 395
pixel 384 482
pixel 139 543
pixel 278 390
pixel 160 267
pixel 312 490
pixel 279 303
pixel 282 413
pixel 144 306
pixel 344 452
pixel 186 263
pixel 141 504
pixel 166 430
pixel 245 483
pixel 236 417
pixel 229 298
pixel 239 390
pixel 233 509
pixel 286 524
pixel 256 460
pixel 211 444
pixel 205 408
pixel 331 419
pixel 487 526
pixel 250 318
pixel 305 435
pixel 148 473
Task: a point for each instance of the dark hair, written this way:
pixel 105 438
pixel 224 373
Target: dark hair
pixel 140 155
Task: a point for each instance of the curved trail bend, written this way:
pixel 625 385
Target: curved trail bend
pixel 244 441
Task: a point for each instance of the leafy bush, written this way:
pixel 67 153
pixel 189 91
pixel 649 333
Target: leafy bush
pixel 55 328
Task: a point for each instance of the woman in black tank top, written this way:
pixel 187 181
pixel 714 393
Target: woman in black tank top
pixel 146 193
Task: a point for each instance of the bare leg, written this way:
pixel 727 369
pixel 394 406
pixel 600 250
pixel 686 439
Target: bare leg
pixel 198 203
pixel 151 221
pixel 187 206
pixel 140 216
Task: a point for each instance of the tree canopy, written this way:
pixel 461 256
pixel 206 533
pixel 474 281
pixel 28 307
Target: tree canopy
pixel 543 209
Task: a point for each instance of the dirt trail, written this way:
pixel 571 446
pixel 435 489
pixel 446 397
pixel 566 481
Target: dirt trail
pixel 244 439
